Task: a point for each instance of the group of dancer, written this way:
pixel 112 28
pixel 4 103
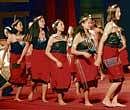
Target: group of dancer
pixel 55 59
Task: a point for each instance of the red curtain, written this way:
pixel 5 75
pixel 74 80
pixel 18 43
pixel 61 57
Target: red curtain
pixel 50 11
pixel 71 13
pixel 64 10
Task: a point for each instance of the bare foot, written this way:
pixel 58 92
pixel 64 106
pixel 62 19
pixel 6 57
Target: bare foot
pixel 19 100
pixel 88 104
pixel 62 103
pixel 77 92
pixel 107 103
pixel 129 67
pixel 118 105
pixel 44 100
pixel 30 97
pixel 49 85
pixel 102 77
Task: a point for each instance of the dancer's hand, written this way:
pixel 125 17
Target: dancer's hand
pixel 119 50
pixel 98 61
pixel 19 61
pixel 59 64
pixel 86 55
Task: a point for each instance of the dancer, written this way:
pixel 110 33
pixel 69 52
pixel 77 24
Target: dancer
pixel 39 61
pixel 84 48
pixel 57 52
pixel 109 48
pixel 17 62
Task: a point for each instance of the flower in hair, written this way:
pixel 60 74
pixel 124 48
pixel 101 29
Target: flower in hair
pixel 113 6
pixel 8 28
pixel 90 16
pixel 37 18
pixel 83 19
pixel 15 22
pixel 55 23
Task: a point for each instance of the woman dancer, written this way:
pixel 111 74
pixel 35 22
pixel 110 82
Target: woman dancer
pixel 39 61
pixel 57 52
pixel 109 48
pixel 17 62
pixel 84 48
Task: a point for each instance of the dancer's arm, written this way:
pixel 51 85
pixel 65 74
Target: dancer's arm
pixel 107 31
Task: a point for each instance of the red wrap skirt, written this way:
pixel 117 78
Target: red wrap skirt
pixel 123 55
pixel 18 72
pixel 111 60
pixel 87 72
pixel 60 77
pixel 28 61
pixel 28 64
pixel 40 66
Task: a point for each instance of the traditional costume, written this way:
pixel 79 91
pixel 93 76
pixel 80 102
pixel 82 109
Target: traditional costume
pixel 87 71
pixel 18 71
pixel 60 77
pixel 111 57
pixel 39 61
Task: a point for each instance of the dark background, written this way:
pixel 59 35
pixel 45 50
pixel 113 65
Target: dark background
pixel 69 11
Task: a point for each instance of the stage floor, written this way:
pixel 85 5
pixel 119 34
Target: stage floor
pixel 74 102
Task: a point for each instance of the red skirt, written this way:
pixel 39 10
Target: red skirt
pixel 18 73
pixel 28 61
pixel 123 55
pixel 87 72
pixel 71 59
pixel 114 70
pixel 40 66
pixel 60 77
pixel 28 64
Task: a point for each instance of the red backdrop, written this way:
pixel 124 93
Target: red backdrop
pixel 61 9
